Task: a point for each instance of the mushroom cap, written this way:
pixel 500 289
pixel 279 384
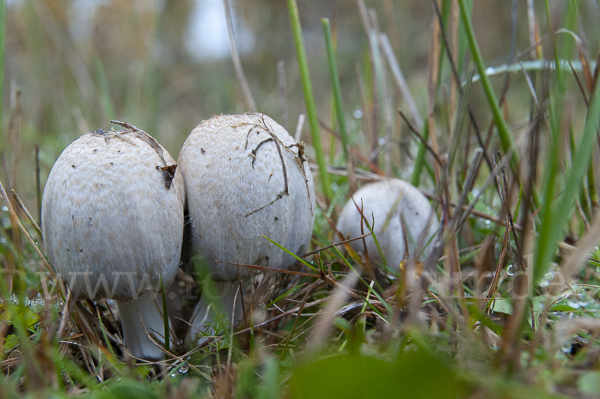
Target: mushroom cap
pixel 380 199
pixel 242 180
pixel 112 220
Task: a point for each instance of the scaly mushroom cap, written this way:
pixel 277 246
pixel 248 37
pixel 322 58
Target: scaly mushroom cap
pixel 387 200
pixel 244 178
pixel 112 219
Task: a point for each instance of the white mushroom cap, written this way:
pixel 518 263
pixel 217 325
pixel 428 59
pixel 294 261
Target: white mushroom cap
pixel 243 178
pixel 389 199
pixel 112 219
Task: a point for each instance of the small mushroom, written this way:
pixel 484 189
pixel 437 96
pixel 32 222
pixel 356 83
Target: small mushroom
pixel 112 220
pixel 389 202
pixel 245 177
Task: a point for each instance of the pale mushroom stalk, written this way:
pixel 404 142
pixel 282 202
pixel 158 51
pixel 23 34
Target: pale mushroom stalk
pixel 140 318
pixel 218 299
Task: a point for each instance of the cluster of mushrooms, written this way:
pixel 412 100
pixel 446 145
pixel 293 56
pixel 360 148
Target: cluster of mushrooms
pixel 113 218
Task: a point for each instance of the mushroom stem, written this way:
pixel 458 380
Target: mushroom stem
pixel 217 298
pixel 141 317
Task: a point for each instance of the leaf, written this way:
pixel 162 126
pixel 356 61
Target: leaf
pixel 502 306
pixel 129 389
pixel 348 376
pixel 589 384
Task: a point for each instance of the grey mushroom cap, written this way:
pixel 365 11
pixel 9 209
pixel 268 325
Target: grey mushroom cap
pixel 244 178
pixel 388 201
pixel 112 219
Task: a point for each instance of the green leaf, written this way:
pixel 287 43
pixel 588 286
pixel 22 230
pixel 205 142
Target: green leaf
pixel 129 389
pixel 589 384
pixel 348 376
pixel 291 253
pixel 502 306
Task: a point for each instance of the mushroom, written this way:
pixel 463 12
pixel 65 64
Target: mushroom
pixel 112 220
pixel 389 201
pixel 245 177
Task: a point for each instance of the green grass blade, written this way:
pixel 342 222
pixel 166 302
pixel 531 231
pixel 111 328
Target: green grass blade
pixel 311 109
pixel 420 160
pixel 2 40
pixel 506 139
pixel 550 233
pixel 384 303
pixel 291 253
pixel 335 83
pixel 105 97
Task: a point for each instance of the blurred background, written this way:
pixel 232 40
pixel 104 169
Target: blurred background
pixel 165 65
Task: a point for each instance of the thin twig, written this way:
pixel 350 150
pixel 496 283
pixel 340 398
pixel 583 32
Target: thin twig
pixel 237 64
pixel 299 127
pixel 26 211
pixel 414 131
pixel 282 93
pixel 400 81
pixel 270 269
pixel 337 244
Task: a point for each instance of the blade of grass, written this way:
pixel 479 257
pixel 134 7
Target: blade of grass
pixel 291 253
pixel 335 84
pixel 379 298
pixel 165 317
pixel 237 64
pixel 2 40
pixel 553 224
pixel 311 108
pixel 506 139
pixel 420 160
pixel 105 97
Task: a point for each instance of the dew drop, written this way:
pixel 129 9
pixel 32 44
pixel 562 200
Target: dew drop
pixel 510 270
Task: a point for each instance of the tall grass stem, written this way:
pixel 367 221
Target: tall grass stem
pixel 335 84
pixel 311 108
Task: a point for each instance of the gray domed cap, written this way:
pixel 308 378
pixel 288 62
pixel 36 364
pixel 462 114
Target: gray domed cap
pixel 112 215
pixel 388 200
pixel 244 178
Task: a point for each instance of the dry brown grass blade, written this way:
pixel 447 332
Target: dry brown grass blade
pixel 596 72
pixel 288 339
pixel 366 161
pixel 368 117
pixel 237 64
pixel 454 35
pixel 316 251
pixel 299 127
pixel 414 131
pixel 533 34
pixel 45 264
pixel 401 82
pixel 38 184
pixel 576 260
pixel 372 106
pixel 370 271
pixel 281 84
pixel 496 278
pixel 270 269
pixel 432 82
pixel 325 320
pixel 14 132
pixel 280 316
pixel 26 211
